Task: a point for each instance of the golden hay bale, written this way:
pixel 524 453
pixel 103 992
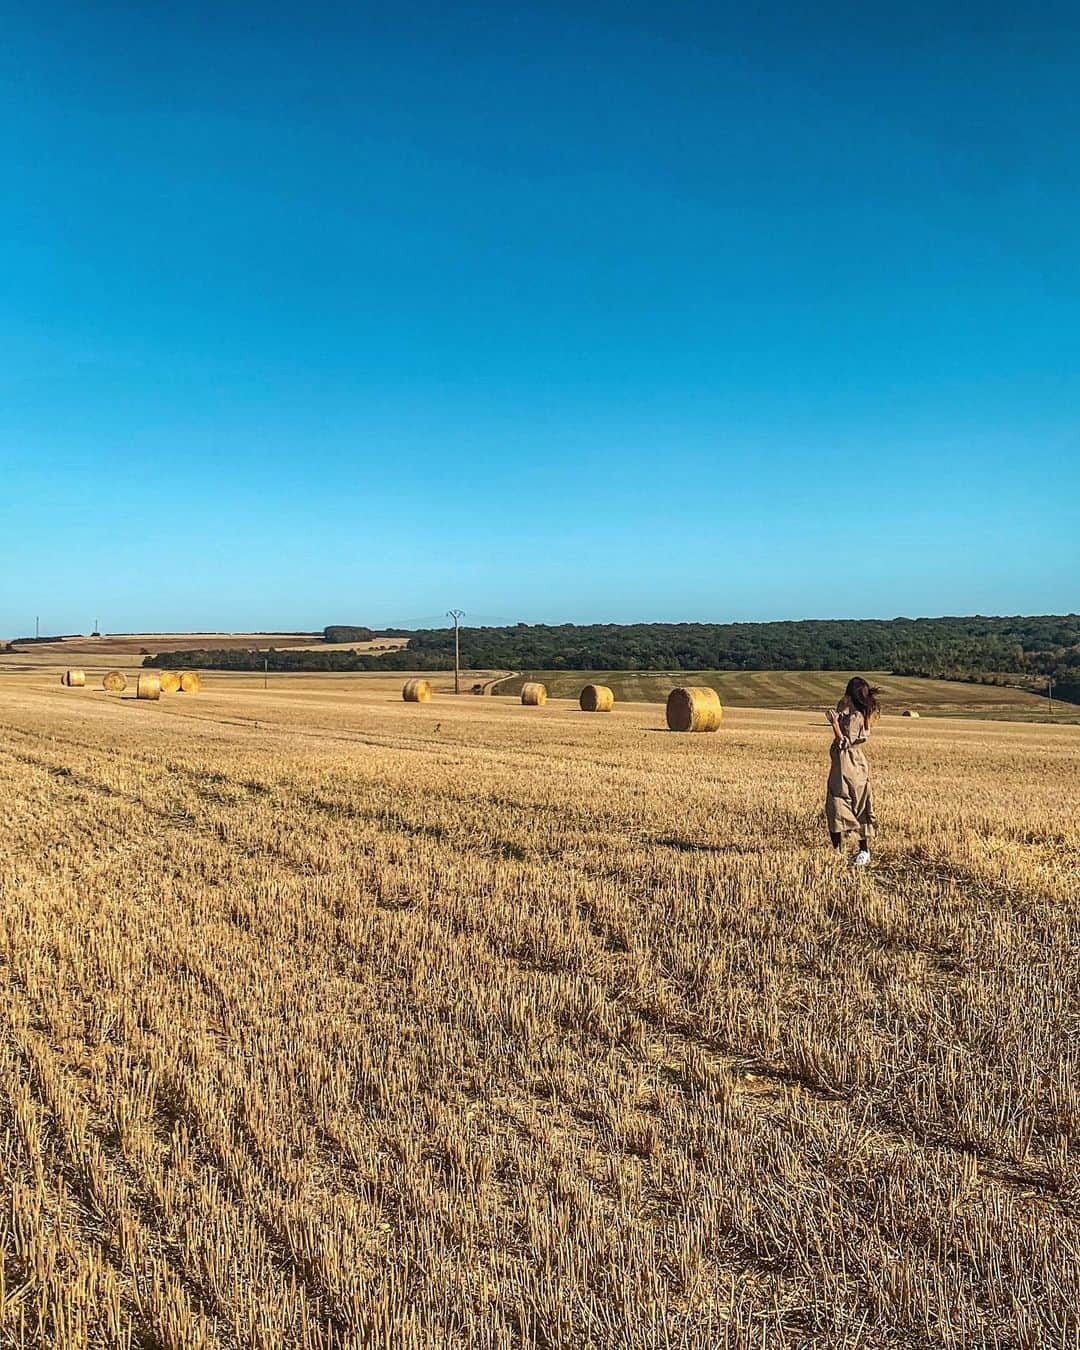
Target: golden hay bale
pixel 416 691
pixel 534 694
pixel 148 686
pixel 909 712
pixel 115 682
pixel 170 681
pixel 74 679
pixel 189 682
pixel 697 708
pixel 596 698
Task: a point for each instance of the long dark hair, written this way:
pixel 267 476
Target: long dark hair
pixel 863 697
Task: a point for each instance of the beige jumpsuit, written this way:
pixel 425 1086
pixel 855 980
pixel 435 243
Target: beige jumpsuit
pixel 848 803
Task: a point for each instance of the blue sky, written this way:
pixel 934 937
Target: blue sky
pixel 319 313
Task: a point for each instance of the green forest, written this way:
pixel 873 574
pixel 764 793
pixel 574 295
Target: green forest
pixel 1031 649
pixel 346 632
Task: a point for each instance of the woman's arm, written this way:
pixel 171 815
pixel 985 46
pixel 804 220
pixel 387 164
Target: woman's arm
pixel 857 730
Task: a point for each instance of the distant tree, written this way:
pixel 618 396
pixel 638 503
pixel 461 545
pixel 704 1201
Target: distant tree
pixel 1068 689
pixel 343 632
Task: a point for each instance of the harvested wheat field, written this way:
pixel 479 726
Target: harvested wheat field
pixel 333 1021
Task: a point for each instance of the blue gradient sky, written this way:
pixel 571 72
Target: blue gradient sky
pixel 554 312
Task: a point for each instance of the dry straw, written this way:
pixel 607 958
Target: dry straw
pixel 697 708
pixel 189 682
pixel 534 694
pixel 170 681
pixel 148 686
pixel 417 691
pixel 128 980
pixel 596 698
pixel 74 679
pixel 115 682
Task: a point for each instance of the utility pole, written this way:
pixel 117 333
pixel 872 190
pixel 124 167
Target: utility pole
pixel 457 615
pixel 1050 693
pixel 37 626
pixel 266 667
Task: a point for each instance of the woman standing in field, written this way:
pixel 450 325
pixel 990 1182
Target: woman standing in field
pixel 848 803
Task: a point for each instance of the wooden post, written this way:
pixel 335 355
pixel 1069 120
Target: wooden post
pixel 457 615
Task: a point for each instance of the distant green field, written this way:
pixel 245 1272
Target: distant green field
pixel 802 689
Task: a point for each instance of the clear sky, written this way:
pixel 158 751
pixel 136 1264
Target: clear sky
pixel 318 313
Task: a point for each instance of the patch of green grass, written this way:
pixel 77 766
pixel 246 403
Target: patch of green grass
pixel 803 689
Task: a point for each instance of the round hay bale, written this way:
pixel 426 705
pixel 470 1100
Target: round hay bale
pixel 115 682
pixel 596 698
pixel 74 679
pixel 697 708
pixel 189 682
pixel 909 712
pixel 148 686
pixel 169 681
pixel 533 694
pixel 417 691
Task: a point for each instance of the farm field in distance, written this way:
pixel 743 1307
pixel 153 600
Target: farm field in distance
pixel 330 1020
pixel 134 645
pixel 807 689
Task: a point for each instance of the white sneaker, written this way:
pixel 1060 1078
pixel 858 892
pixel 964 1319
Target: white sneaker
pixel 861 859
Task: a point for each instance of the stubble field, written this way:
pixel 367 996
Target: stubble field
pixel 333 1021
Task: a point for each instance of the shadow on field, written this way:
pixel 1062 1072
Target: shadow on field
pixel 699 846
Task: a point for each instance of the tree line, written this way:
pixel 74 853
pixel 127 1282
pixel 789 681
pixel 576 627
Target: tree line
pixel 940 647
pixel 971 647
pixel 286 658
